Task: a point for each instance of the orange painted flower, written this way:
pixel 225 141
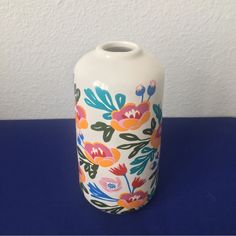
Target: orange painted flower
pixel 132 200
pixel 100 154
pixel 82 177
pixel 156 137
pixel 130 116
pixel 81 122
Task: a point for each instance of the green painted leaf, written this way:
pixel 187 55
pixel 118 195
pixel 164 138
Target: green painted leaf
pixel 84 188
pixel 98 203
pixel 120 100
pixel 153 124
pixel 107 134
pixel 134 152
pixel 127 146
pixel 77 95
pixel 129 137
pixel 158 112
pixel 81 154
pixel 113 210
pixel 99 126
pixel 107 130
pixel 137 148
pixel 148 131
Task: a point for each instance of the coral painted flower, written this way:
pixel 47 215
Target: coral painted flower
pixel 132 200
pixel 138 182
pixel 130 116
pixel 110 185
pixel 81 122
pixel 120 170
pixel 156 137
pixel 100 154
pixel 82 177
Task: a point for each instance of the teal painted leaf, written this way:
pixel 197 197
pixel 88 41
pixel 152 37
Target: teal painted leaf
pixel 158 112
pixel 105 97
pixel 146 149
pixel 107 116
pixel 120 100
pixel 139 160
pixel 92 101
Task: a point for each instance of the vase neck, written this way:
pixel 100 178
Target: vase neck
pixel 118 49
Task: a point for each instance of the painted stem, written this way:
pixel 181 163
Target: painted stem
pixel 127 181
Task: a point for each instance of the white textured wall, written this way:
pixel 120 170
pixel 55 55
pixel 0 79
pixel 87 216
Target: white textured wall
pixel 40 41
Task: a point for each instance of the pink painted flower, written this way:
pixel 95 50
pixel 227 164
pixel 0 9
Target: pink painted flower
pixel 130 116
pixel 100 154
pixel 110 185
pixel 81 121
pixel 132 200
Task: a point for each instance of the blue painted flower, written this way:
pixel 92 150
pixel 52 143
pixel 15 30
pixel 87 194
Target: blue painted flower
pixel 151 88
pixel 140 90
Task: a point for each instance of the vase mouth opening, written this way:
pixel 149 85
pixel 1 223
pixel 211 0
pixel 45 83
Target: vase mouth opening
pixel 118 48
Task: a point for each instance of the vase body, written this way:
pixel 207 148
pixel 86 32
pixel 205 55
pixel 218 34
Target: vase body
pixel 118 104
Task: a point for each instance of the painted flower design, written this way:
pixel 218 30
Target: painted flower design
pixel 81 121
pixel 130 116
pixel 156 137
pixel 138 182
pixel 120 170
pixel 82 177
pixel 110 185
pixel 100 154
pixel 132 200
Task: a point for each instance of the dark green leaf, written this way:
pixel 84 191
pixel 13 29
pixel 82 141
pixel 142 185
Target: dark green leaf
pixel 153 124
pixel 127 146
pixel 99 126
pixel 137 148
pixel 148 131
pixel 120 100
pixel 134 152
pixel 108 132
pixel 129 137
pixel 84 188
pixel 81 154
pixel 98 203
pixel 77 95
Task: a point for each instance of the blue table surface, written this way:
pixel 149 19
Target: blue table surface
pixel 39 191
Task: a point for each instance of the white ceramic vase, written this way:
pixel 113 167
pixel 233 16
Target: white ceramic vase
pixel 118 93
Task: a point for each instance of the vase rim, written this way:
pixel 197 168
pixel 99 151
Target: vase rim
pixel 114 49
